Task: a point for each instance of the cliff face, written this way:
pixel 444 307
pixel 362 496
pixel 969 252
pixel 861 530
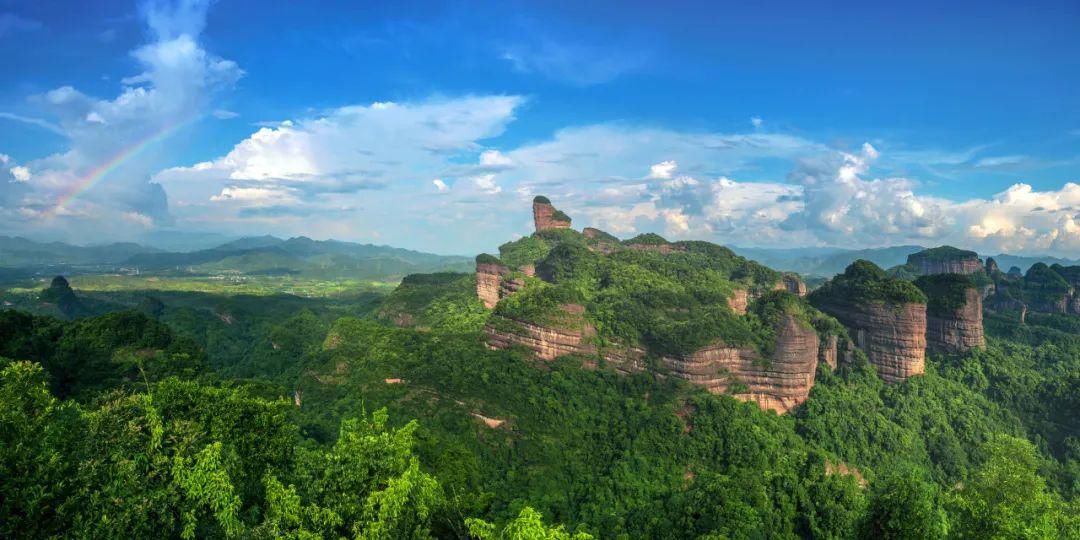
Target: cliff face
pixel 778 384
pixel 739 301
pixel 928 266
pixel 489 283
pixel 794 284
pixel 893 336
pixel 546 342
pixel 960 331
pixel 545 218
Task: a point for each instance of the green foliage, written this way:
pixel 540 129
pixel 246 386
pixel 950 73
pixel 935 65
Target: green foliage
pixel 1006 498
pixel 525 250
pixel 444 302
pixel 528 525
pixel 540 199
pixel 904 505
pixel 864 282
pixel 482 258
pixel 647 239
pixel 559 215
pixel 945 293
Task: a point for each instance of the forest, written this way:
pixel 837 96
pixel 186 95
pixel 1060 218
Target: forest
pixel 170 414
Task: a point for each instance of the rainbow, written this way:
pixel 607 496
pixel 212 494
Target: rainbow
pixel 97 174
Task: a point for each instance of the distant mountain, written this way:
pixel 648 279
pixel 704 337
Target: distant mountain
pixel 825 261
pixel 829 261
pixel 18 252
pixel 1006 261
pixel 268 255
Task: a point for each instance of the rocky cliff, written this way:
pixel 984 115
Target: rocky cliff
pixel 954 313
pixel 793 284
pixel 778 383
pixel 548 341
pixel 945 260
pixel 489 275
pixel 892 336
pixel 958 331
pixel 546 217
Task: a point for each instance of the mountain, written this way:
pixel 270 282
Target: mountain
pixel 324 259
pixel 826 261
pixel 18 252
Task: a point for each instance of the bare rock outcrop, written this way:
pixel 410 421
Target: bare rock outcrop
pixel 778 384
pixel 945 260
pixel 793 284
pixel 546 217
pixel 957 331
pixel 489 276
pixel 893 336
pixel 739 300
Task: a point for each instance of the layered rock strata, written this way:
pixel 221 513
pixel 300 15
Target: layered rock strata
pixel 546 217
pixel 489 282
pixel 794 284
pixel 892 336
pixel 777 384
pixel 956 265
pixel 959 331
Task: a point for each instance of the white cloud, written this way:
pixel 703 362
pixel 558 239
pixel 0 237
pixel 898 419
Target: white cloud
pixel 440 185
pixel 222 114
pixel 755 121
pixel 21 174
pixel 663 170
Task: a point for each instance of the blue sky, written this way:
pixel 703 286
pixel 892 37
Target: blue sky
pixel 431 125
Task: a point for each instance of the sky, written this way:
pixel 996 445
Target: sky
pixel 431 125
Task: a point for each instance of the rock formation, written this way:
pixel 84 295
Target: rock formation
pixel 893 336
pixel 945 260
pixel 954 313
pixel 777 384
pixel 739 300
pixel 546 341
pixel 495 281
pixel 991 266
pixel 959 331
pixel 793 284
pixel 546 217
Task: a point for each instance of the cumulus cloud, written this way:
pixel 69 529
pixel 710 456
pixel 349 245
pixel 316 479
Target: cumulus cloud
pixel 176 85
pixel 374 157
pixel 21 174
pixel 663 170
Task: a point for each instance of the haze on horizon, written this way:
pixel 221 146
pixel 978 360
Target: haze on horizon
pixel 428 127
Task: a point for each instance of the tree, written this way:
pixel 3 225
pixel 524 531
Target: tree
pixel 904 505
pixel 529 525
pixel 1006 498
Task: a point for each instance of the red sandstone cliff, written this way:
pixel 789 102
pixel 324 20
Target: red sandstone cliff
pixel 546 217
pixel 893 336
pixel 793 284
pixel 777 384
pixel 959 331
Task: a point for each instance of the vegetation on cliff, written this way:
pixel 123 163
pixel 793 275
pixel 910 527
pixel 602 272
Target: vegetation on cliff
pixel 943 253
pixel 945 293
pixel 863 282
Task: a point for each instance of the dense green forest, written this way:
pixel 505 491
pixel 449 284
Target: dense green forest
pixel 195 415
